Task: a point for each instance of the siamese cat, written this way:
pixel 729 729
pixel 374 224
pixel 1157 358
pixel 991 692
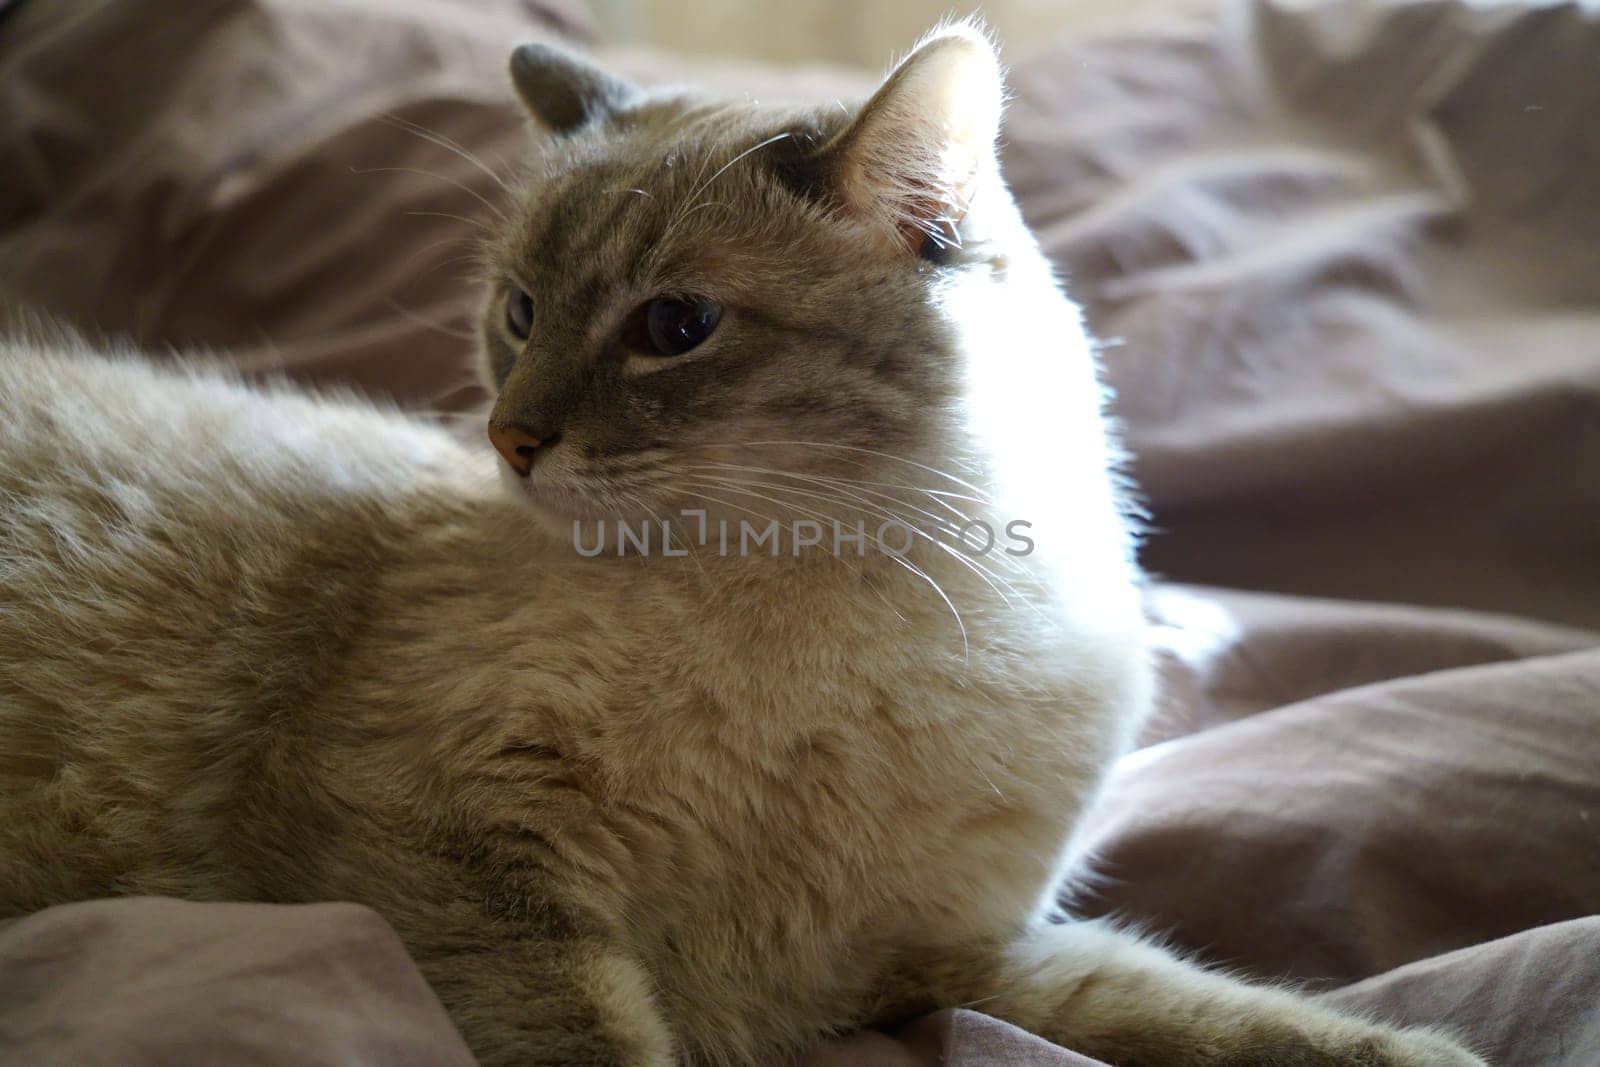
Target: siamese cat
pixel 700 796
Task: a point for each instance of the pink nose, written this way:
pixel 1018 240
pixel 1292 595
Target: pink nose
pixel 516 445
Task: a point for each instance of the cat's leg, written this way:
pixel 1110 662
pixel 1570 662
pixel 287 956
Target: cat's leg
pixel 1108 994
pixel 554 1003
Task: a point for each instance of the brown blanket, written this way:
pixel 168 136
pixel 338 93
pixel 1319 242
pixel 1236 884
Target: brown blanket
pixel 1346 262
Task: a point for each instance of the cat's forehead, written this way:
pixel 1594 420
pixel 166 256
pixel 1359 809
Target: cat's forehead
pixel 674 139
pixel 666 180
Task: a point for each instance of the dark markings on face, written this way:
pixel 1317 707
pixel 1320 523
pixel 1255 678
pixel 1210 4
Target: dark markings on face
pixel 820 337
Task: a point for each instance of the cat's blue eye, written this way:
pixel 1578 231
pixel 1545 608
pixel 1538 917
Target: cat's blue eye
pixel 674 325
pixel 519 313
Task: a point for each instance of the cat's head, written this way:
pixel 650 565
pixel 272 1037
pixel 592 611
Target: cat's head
pixel 731 306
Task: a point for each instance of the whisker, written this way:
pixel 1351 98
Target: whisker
pixel 726 484
pixel 444 242
pixel 666 527
pixel 463 186
pixel 421 319
pixel 836 479
pixel 702 206
pixel 774 139
pixel 874 509
pixel 835 483
pixel 987 576
pixel 450 145
pixel 866 451
pixel 690 201
pixel 966 647
pixel 701 494
pixel 471 257
pixel 939 521
pixel 479 223
pixel 907 564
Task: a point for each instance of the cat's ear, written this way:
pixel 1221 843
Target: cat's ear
pixel 563 92
pixel 911 159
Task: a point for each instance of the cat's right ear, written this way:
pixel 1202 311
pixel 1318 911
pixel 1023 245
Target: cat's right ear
pixel 564 93
pixel 915 154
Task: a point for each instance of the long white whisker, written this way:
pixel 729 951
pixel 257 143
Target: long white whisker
pixel 774 139
pixel 871 452
pixel 966 647
pixel 724 483
pixel 691 201
pixel 423 320
pixel 939 494
pixel 479 223
pixel 666 530
pixel 725 503
pixel 463 186
pixel 838 483
pixel 940 523
pixel 448 144
pixel 443 242
pixel 987 576
pixel 472 257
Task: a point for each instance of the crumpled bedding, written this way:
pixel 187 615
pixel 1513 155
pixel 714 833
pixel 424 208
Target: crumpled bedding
pixel 138 981
pixel 1345 262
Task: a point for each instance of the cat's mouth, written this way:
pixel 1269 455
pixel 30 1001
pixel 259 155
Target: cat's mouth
pixel 560 502
pixel 547 498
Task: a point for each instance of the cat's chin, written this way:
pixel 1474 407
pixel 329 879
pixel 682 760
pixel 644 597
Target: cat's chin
pixel 556 506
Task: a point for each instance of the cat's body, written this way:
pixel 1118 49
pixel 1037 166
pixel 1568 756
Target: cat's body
pixel 394 688
pixel 622 809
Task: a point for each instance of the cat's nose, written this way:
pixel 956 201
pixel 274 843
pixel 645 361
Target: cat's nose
pixel 516 445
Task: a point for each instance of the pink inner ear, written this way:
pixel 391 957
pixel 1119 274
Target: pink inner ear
pixel 914 155
pixel 910 203
pixel 909 162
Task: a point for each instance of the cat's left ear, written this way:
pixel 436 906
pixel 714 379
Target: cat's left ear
pixel 911 160
pixel 566 93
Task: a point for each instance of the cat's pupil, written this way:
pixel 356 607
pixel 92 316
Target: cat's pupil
pixel 674 325
pixel 519 313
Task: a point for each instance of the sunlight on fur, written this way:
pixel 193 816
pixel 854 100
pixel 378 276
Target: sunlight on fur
pixel 652 808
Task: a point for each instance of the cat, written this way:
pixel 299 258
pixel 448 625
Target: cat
pixel 684 800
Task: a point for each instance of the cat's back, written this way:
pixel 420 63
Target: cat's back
pixel 143 482
pixel 138 501
pixel 72 418
pixel 182 558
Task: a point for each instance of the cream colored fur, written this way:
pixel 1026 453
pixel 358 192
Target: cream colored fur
pixel 260 646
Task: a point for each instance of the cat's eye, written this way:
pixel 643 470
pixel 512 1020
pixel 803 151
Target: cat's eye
pixel 674 325
pixel 519 313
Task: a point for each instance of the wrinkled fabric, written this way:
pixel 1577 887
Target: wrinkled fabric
pixel 300 185
pixel 144 981
pixel 1349 816
pixel 1345 258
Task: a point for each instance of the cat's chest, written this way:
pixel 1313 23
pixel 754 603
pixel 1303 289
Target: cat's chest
pixel 788 804
pixel 800 861
pixel 883 791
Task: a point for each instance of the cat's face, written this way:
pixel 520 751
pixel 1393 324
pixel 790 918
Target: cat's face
pixel 731 307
